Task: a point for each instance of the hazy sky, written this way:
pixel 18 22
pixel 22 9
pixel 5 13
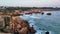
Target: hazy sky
pixel 31 3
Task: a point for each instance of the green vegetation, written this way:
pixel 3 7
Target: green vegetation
pixel 14 8
pixel 25 8
pixel 10 9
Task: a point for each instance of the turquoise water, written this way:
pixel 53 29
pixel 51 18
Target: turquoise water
pixel 43 23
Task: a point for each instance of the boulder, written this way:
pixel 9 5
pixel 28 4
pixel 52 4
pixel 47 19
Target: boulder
pixel 42 13
pixel 48 13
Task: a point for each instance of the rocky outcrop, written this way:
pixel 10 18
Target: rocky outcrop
pixel 48 13
pixel 16 25
pixel 18 13
pixel 20 25
pixel 2 23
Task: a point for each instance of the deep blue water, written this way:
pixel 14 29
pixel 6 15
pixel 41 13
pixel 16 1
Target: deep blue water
pixel 43 23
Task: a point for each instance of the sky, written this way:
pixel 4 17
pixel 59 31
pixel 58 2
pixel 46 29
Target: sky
pixel 30 3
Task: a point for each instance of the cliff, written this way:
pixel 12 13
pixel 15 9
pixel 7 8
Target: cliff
pixel 16 25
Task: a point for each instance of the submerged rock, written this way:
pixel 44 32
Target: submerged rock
pixel 47 32
pixel 42 13
pixel 31 30
pixel 48 13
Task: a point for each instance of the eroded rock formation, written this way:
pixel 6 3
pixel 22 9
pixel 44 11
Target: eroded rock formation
pixel 17 25
pixel 21 26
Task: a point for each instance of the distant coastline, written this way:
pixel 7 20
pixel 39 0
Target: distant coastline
pixel 25 10
pixel 29 8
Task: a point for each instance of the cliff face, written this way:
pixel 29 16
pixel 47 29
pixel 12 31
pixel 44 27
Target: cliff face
pixel 20 25
pixel 15 24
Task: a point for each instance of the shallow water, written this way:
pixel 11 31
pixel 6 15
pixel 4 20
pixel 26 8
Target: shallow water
pixel 43 23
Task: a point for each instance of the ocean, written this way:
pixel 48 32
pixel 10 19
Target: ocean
pixel 44 23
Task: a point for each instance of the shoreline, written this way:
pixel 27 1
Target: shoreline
pixel 18 13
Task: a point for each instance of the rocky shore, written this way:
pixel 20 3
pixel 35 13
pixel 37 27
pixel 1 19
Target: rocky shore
pixel 16 25
pixel 21 25
pixel 18 13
